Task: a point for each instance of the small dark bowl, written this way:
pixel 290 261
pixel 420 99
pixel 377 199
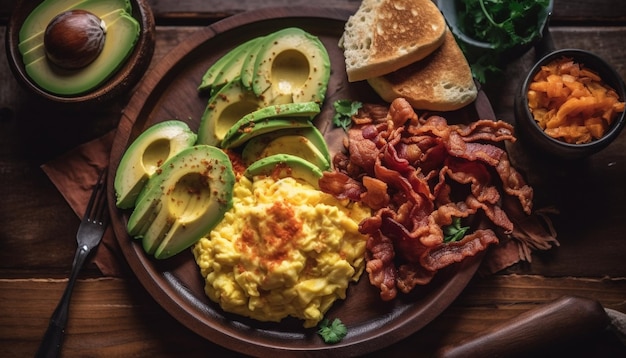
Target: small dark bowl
pixel 474 48
pixel 531 133
pixel 119 83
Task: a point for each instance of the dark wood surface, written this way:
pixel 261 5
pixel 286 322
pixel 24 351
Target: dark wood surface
pixel 117 317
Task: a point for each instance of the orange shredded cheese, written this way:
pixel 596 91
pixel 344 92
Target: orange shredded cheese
pixel 572 103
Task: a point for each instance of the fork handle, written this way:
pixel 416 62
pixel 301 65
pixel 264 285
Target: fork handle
pixel 53 338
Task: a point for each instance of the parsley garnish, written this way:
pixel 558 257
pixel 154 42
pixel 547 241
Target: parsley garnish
pixel 503 23
pixel 332 332
pixel 344 110
pixel 454 232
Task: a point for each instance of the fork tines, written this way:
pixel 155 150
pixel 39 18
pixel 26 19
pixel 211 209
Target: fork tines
pixel 96 208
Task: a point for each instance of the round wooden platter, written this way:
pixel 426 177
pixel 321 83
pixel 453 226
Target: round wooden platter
pixel 170 92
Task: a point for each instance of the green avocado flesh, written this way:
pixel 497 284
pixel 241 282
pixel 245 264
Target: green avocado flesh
pixel 145 156
pixel 306 143
pixel 185 200
pixel 122 32
pixel 224 109
pixel 285 165
pixel 249 125
pixel 33 29
pixel 227 68
pixel 294 63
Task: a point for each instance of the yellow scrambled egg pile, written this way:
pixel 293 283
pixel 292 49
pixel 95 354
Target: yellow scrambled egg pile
pixel 284 249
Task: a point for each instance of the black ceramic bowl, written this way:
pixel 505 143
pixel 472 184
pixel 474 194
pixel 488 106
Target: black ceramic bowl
pixel 122 80
pixel 531 133
pixel 475 48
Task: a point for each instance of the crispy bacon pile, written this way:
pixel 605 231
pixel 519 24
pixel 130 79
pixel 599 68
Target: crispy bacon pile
pixel 417 175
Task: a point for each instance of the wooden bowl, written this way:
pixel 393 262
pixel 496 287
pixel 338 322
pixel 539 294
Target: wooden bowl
pixel 120 82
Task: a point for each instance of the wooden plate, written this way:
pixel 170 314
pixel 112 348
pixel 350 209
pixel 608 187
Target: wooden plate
pixel 168 92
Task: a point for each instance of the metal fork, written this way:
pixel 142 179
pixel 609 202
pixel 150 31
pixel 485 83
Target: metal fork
pixel 89 235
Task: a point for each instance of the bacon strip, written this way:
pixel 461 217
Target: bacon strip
pixel 417 175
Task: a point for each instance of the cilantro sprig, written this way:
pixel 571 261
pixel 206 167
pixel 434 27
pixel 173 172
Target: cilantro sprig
pixel 503 23
pixel 344 110
pixel 332 332
pixel 454 232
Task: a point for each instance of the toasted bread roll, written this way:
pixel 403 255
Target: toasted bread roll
pixel 440 82
pixel 386 35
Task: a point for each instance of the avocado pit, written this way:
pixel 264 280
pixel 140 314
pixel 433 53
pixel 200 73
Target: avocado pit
pixel 74 39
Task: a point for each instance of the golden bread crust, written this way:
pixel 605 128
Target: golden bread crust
pixel 440 82
pixel 386 35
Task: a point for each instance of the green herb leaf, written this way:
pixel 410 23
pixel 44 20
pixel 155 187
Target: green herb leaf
pixel 344 110
pixel 332 332
pixel 454 232
pixel 503 23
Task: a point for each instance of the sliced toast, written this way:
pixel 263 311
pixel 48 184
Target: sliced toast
pixel 440 82
pixel 383 36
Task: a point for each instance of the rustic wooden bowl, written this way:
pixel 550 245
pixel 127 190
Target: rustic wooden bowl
pixel 120 82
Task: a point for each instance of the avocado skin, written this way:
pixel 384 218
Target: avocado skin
pixel 285 165
pixel 184 201
pixel 145 155
pixel 121 35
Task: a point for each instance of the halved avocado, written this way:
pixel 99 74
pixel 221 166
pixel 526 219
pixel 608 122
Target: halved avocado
pixel 33 49
pixel 33 29
pixel 291 62
pixel 121 34
pixel 225 69
pixel 145 156
pixel 185 201
pixel 306 143
pixel 224 109
pixel 247 125
pixel 285 165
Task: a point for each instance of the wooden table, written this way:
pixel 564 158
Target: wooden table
pixel 117 317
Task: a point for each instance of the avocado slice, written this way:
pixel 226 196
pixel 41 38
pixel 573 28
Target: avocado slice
pixel 33 29
pixel 246 125
pixel 122 33
pixel 307 143
pixel 247 68
pixel 185 200
pixel 285 165
pixel 232 69
pixel 291 62
pixel 223 110
pixel 146 154
pixel 264 127
pixel 226 68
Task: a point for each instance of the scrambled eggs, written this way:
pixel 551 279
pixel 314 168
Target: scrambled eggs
pixel 284 249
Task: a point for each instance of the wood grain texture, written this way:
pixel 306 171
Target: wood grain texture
pixel 130 323
pixel 117 317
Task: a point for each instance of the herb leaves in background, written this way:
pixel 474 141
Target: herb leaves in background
pixel 503 23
